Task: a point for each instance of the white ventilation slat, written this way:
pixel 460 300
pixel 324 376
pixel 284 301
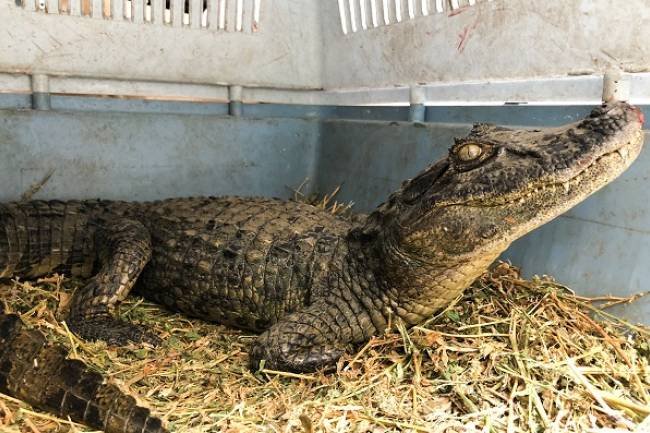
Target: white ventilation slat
pixel 225 15
pixel 363 14
pixel 212 14
pixel 343 16
pixel 148 12
pixel 222 14
pixel 373 13
pixel 257 7
pixel 128 10
pixel 425 7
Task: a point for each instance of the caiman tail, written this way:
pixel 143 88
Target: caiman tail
pixel 39 372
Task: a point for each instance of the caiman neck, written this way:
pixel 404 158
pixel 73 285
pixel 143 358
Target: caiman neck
pixel 417 286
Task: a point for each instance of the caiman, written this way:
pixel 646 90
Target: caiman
pixel 312 284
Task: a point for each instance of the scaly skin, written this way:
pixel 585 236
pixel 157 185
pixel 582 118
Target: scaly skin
pixel 39 373
pixel 316 285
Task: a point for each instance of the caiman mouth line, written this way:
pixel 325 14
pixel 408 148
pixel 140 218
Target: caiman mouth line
pixel 566 185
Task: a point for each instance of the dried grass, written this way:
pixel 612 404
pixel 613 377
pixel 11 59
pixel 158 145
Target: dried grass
pixel 511 355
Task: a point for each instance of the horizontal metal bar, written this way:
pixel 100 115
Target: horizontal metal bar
pixel 580 90
pixel 15 83
pixel 144 89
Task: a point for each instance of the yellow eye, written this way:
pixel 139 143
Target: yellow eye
pixel 469 152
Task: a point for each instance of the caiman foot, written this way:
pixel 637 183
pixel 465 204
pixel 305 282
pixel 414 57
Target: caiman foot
pixel 114 332
pixel 311 339
pixel 296 356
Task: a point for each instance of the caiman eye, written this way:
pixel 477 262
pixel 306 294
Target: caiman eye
pixel 469 152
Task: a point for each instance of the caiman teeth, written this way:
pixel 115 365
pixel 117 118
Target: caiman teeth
pixel 623 153
pixel 566 187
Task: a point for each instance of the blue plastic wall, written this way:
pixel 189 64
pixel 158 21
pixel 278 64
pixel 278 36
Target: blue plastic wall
pixel 144 156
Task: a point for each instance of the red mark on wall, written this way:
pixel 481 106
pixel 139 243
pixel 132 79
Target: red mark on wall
pixel 457 11
pixel 463 37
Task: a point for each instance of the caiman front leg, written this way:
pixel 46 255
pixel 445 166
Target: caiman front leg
pixel 316 336
pixel 123 249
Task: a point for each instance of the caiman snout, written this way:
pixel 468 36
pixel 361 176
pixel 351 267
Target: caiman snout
pixel 613 116
pixel 614 127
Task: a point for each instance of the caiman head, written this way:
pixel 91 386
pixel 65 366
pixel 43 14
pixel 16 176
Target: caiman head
pixel 496 185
